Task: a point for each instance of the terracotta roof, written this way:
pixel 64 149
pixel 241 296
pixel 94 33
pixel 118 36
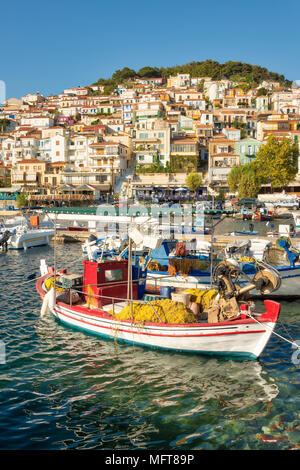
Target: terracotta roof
pixel 32 160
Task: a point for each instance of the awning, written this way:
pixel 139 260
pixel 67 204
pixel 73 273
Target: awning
pixel 66 187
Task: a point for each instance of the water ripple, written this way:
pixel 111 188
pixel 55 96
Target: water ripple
pixel 62 389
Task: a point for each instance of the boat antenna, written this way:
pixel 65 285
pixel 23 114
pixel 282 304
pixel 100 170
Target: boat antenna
pixel 55 263
pixel 212 249
pixel 129 277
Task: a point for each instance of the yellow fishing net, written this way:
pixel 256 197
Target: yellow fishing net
pixel 169 311
pixel 49 283
pixel 156 266
pixel 185 266
pixel 246 259
pixel 203 297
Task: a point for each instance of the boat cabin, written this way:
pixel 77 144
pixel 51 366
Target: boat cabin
pixel 106 281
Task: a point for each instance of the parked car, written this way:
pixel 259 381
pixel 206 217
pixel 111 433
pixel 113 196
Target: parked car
pixel 288 203
pixel 250 202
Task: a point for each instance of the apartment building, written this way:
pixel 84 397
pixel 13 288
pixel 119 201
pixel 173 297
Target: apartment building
pixel 152 144
pixel 222 158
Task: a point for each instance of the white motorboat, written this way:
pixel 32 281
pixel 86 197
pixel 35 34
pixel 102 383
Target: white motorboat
pixel 23 237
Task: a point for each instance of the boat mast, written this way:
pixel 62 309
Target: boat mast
pixel 55 263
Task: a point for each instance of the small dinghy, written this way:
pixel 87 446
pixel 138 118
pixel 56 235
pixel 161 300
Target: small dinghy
pixel 251 232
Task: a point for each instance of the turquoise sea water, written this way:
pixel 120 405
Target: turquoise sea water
pixel 63 389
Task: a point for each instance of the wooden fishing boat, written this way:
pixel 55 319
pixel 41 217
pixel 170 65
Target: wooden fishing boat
pixel 90 302
pixel 262 216
pixel 244 214
pixel 246 233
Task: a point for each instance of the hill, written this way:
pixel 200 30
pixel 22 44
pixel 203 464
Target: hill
pixel 236 71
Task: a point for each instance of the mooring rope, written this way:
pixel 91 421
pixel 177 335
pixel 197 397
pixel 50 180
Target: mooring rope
pixel 21 283
pixel 272 331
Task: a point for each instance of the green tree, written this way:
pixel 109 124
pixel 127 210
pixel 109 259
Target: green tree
pixel 149 72
pixel 21 200
pixel 123 74
pixel 277 161
pixel 194 181
pixel 262 92
pixel 200 86
pixel 221 195
pixel 4 124
pixel 234 178
pixel 250 183
pixel 245 180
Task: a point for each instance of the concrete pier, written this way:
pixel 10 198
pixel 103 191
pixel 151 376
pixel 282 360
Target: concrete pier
pixel 75 236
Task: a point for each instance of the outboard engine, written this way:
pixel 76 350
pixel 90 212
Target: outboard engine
pixel 4 239
pixel 92 238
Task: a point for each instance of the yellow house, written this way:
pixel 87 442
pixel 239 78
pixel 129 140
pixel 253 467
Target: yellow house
pixel 28 172
pixel 51 178
pixel 78 126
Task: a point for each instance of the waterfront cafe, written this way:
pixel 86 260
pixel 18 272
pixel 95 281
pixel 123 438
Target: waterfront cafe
pixel 166 193
pixel 68 193
pixel 8 197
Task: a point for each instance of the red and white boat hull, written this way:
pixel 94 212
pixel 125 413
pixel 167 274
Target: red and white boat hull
pixel 242 337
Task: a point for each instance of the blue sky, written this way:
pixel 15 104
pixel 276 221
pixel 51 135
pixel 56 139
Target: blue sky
pixel 50 46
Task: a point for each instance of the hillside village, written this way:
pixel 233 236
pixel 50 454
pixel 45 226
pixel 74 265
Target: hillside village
pixel 83 145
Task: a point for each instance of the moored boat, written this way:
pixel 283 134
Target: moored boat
pixel 22 237
pixel 92 303
pixel 263 215
pixel 244 214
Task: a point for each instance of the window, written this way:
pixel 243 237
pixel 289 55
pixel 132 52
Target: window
pixel 57 154
pixel 161 134
pixel 57 142
pixel 113 275
pixel 100 178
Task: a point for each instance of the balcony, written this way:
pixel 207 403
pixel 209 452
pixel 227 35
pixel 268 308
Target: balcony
pixel 148 139
pixel 145 149
pixel 100 155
